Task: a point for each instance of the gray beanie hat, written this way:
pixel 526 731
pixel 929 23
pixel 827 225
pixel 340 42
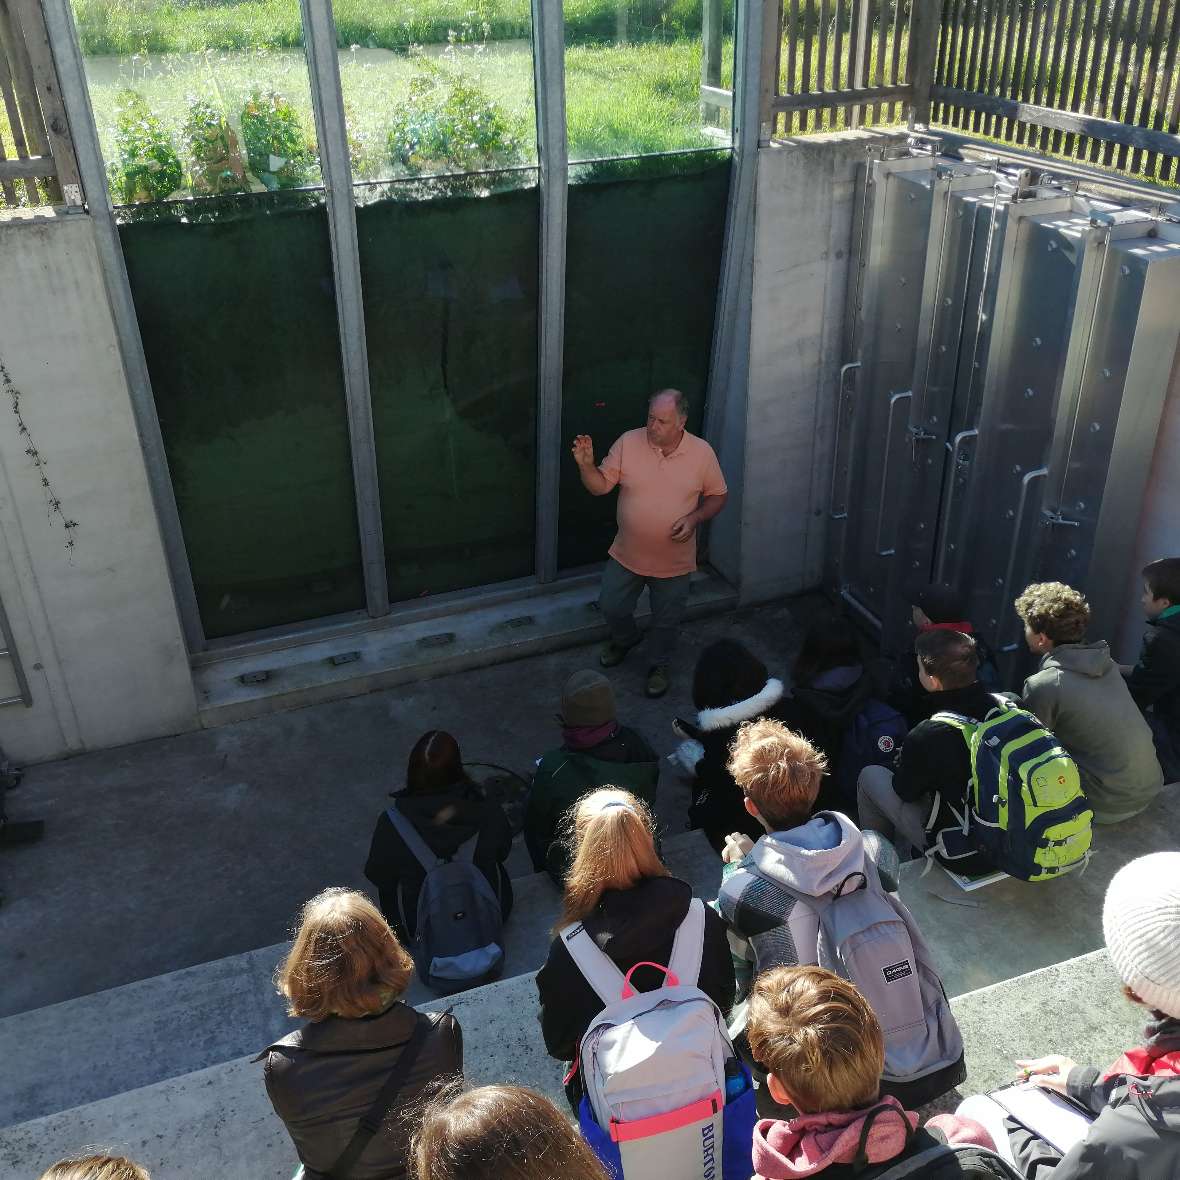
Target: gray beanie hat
pixel 1141 923
pixel 587 699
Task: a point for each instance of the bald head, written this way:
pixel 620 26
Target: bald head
pixel 667 416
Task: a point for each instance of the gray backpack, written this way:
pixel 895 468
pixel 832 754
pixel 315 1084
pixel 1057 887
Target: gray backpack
pixel 869 938
pixel 458 935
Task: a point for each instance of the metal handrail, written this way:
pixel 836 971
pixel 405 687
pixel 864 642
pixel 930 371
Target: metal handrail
pixel 832 513
pixel 904 395
pixel 1017 527
pixel 954 445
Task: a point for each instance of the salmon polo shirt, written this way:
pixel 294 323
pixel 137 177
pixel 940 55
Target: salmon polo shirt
pixel 655 491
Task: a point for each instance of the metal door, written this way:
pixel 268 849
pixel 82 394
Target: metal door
pixel 1041 351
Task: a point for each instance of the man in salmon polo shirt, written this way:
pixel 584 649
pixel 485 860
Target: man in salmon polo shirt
pixel 669 484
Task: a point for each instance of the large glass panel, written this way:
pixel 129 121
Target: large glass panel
pixel 634 70
pixel 643 260
pixel 205 121
pixel 450 285
pixel 238 317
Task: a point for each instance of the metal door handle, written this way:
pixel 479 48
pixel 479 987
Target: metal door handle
pixel 843 515
pixel 1017 526
pixel 905 395
pixel 954 445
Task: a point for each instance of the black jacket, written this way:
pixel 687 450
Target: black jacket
pixel 445 821
pixel 1155 680
pixel 323 1078
pixel 717 806
pixel 632 926
pixel 934 757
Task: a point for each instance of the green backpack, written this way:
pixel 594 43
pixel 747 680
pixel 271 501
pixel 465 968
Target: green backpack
pixel 1025 812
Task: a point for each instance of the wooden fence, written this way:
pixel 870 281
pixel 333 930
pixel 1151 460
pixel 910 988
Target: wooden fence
pixel 1092 80
pixel 37 164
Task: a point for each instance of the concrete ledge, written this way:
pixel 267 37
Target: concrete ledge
pixel 1010 928
pixel 68 1054
pixel 305 674
pixel 218 1121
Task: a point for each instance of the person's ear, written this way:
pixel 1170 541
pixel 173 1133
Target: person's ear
pixel 778 1091
pixel 751 808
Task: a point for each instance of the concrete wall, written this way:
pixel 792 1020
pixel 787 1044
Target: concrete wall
pixel 803 227
pixel 96 628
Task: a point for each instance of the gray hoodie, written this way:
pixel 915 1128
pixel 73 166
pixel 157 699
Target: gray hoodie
pixel 767 926
pixel 1082 697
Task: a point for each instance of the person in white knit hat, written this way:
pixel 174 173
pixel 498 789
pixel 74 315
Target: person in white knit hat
pixel 1136 1102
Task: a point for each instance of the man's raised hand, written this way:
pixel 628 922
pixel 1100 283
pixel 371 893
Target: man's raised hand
pixel 583 450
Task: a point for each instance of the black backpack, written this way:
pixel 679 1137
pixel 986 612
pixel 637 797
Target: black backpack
pixel 930 1158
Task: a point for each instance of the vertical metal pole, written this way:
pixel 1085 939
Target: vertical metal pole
pixel 63 40
pixel 319 29
pixel 712 35
pixel 553 153
pixel 730 360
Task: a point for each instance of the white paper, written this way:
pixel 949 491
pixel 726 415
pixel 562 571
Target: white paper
pixel 1055 1119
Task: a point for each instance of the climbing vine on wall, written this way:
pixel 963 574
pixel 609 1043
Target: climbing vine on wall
pixel 53 504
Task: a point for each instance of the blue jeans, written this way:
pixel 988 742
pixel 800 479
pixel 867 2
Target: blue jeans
pixel 619 595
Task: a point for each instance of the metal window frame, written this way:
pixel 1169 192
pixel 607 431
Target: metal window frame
pixel 553 159
pixel 67 54
pixel 319 32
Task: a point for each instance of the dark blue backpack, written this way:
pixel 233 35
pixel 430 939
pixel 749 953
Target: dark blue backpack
pixel 873 738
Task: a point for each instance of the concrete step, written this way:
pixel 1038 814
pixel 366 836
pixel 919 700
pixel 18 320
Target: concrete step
pixel 1012 927
pixel 414 644
pixel 218 1121
pixel 79 1051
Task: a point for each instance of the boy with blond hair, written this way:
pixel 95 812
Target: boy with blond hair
pixel 824 1051
pixel 1080 695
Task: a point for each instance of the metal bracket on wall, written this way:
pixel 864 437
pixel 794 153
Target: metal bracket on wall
pixel 23 695
pixel 894 401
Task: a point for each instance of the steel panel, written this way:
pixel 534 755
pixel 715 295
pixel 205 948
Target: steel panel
pixel 1107 431
pixel 898 207
pixel 1034 307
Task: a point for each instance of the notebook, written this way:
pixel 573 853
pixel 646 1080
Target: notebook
pixel 1055 1119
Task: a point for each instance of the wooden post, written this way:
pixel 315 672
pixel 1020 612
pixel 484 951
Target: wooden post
pixel 26 91
pixel 860 48
pixel 923 47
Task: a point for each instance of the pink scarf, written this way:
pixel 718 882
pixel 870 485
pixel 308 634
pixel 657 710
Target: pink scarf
pixel 809 1143
pixel 586 737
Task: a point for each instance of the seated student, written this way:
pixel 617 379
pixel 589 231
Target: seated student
pixel 595 751
pixel 500 1133
pixel 824 1052
pixel 446 809
pixel 840 711
pixel 934 765
pixel 1136 1135
pixel 1155 680
pixel 630 905
pixel 772 894
pixel 934 607
pixel 326 1081
pixel 95 1167
pixel 1079 694
pixel 730 685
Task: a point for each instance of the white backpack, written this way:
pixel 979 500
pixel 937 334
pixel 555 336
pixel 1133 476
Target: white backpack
pixel 653 1063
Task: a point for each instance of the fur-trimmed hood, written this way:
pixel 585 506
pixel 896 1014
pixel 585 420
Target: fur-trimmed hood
pixel 729 716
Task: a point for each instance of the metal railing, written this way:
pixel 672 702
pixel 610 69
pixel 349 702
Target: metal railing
pixel 37 164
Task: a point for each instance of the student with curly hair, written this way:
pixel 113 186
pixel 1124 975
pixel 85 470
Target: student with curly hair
pixel 95 1167
pixel 1080 694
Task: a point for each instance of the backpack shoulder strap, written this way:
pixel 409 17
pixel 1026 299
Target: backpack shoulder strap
pixel 419 849
pixel 372 1119
pixel 956 721
pixel 688 948
pixel 599 969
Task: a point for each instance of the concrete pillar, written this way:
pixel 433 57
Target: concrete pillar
pixel 95 625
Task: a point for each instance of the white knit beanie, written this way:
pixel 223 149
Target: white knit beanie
pixel 1141 922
